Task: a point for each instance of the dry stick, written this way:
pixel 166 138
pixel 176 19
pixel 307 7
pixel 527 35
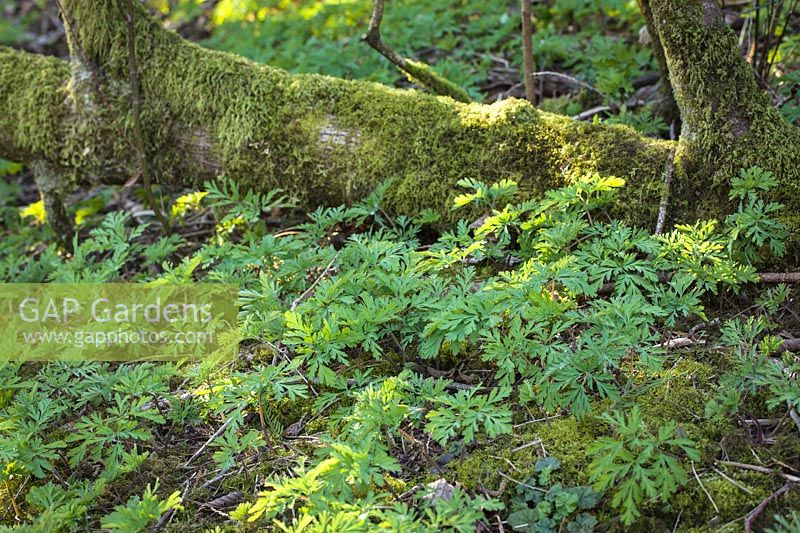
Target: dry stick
pixel 136 107
pixel 526 445
pixel 527 50
pixel 520 483
pixel 732 481
pixel 307 292
pixel 216 434
pixel 662 208
pixel 762 469
pixel 574 81
pixel 779 277
pixel 590 113
pixel 167 517
pixel 748 521
pixel 373 38
pixel 793 414
pixel 716 509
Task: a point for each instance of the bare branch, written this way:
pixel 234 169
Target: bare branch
pixel 748 521
pixel 527 50
pixel 779 277
pixel 416 71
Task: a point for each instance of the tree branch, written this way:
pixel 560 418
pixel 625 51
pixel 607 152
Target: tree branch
pixel 527 50
pixel 416 71
pixel 752 515
pixel 128 13
pixel 779 277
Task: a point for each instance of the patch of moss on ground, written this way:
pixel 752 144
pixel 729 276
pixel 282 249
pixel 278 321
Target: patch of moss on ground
pixel 681 392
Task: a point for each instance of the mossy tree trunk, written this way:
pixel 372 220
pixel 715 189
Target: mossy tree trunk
pixel 728 122
pixel 328 140
pixel 667 108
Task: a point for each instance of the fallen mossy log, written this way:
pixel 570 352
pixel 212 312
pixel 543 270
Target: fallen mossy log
pixel 322 139
pixel 327 141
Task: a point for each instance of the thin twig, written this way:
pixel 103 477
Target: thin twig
pixel 793 414
pixel 520 483
pixel 732 481
pixel 526 445
pixel 748 521
pixel 166 518
pixel 436 83
pixel 762 469
pixel 537 420
pixel 662 208
pixel 716 509
pixel 136 108
pixel 527 50
pixel 591 113
pixel 216 434
pixel 307 292
pixel 575 81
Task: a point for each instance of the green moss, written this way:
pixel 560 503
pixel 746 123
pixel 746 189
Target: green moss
pixel 328 141
pixel 437 84
pixel 681 393
pixel 32 92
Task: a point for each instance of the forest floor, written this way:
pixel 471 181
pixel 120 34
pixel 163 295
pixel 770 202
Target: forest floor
pixel 541 368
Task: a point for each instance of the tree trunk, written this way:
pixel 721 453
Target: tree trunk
pixel 327 141
pixel 667 108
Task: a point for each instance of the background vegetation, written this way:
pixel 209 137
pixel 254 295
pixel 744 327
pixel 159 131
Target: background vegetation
pixel 541 368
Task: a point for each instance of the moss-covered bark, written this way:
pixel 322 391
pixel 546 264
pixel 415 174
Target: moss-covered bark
pixel 328 140
pixel 322 139
pixel 667 108
pixel 728 122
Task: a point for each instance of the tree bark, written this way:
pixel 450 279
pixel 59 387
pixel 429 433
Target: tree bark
pixel 328 141
pixel 667 108
pixel 728 122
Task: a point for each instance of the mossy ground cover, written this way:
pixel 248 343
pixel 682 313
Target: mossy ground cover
pixel 494 324
pixel 415 357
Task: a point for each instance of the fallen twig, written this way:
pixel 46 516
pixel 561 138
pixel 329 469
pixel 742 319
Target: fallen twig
pixel 520 483
pixel 732 481
pixel 779 277
pixel 216 434
pixel 716 509
pixel 762 469
pixel 537 420
pixel 572 80
pixel 590 113
pixel 167 517
pixel 308 291
pixel 752 515
pixel 793 414
pixel 526 445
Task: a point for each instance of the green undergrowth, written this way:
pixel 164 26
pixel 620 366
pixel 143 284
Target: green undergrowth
pixel 525 369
